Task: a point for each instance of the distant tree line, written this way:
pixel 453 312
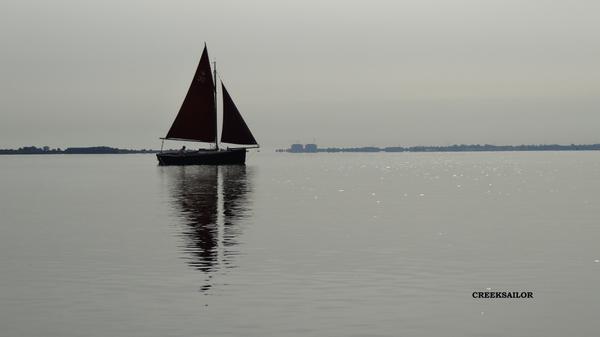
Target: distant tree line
pixel 72 150
pixel 451 148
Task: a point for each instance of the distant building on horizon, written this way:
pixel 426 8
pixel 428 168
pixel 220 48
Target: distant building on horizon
pixel 296 148
pixel 301 148
pixel 310 148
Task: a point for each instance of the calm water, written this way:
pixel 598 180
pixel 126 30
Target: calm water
pixel 300 245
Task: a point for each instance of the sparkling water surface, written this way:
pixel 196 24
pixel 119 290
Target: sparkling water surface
pixel 301 245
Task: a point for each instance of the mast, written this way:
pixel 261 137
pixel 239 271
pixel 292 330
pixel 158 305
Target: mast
pixel 215 98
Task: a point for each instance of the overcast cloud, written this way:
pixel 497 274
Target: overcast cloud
pixel 414 72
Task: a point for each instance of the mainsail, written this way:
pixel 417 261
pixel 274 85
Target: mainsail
pixel 197 117
pixel 235 130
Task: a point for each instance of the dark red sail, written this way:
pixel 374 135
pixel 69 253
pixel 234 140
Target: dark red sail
pixel 235 130
pixel 197 116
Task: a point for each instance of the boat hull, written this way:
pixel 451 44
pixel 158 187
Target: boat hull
pixel 224 157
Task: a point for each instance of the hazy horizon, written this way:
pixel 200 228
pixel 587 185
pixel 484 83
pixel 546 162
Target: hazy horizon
pixel 341 73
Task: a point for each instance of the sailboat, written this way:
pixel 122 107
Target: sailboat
pixel 197 122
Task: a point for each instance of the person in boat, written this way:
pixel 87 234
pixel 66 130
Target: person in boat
pixel 182 150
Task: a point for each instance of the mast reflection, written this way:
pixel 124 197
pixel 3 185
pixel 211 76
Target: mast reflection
pixel 212 202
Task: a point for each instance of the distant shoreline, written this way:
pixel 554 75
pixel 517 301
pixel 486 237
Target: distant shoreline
pixel 312 148
pixel 73 150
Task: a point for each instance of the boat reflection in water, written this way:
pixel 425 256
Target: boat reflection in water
pixel 212 202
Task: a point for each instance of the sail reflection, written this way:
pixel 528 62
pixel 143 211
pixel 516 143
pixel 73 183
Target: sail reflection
pixel 212 202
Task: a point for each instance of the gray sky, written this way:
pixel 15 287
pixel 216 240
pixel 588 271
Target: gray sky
pixel 426 72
